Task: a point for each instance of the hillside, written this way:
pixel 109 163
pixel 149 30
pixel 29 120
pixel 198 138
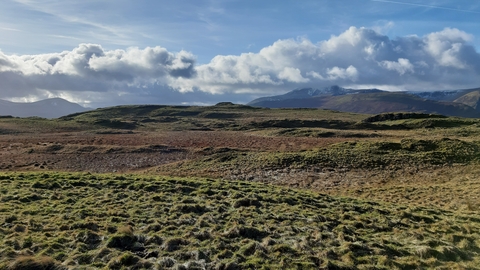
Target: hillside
pixel 48 108
pixel 306 93
pixel 448 96
pixel 374 101
pixel 471 99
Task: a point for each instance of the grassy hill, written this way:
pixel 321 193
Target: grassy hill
pixel 223 116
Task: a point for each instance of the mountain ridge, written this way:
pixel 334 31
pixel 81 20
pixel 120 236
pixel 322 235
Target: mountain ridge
pixel 461 103
pixel 47 108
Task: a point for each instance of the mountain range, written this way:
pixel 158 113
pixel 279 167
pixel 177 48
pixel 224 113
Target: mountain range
pixel 48 108
pixel 462 103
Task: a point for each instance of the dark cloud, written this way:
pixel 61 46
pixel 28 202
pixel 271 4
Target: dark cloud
pixel 185 70
pixel 14 84
pixel 4 62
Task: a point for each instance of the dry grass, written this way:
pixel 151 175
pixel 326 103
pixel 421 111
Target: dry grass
pixel 34 263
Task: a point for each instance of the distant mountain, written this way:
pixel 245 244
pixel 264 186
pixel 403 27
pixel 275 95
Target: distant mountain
pixel 48 108
pixel 463 103
pixel 450 95
pixel 472 99
pixel 306 93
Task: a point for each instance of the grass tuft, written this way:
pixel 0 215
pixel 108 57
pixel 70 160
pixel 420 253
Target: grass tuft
pixel 35 263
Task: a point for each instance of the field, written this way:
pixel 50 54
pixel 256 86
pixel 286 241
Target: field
pixel 236 187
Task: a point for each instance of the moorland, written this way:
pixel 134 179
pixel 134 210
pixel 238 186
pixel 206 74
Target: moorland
pixel 237 187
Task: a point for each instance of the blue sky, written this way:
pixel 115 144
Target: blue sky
pixel 101 53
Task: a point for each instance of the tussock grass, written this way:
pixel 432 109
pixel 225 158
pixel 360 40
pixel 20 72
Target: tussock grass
pixel 364 155
pixel 119 223
pixel 34 263
pixel 415 178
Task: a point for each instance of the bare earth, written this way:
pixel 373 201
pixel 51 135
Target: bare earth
pixel 102 153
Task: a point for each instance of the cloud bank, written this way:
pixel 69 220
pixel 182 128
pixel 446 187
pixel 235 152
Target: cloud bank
pixel 358 57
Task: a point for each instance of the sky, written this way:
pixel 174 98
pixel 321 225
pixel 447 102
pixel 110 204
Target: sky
pixel 102 53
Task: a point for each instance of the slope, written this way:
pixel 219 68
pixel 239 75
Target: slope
pixel 375 103
pixel 471 99
pixel 48 108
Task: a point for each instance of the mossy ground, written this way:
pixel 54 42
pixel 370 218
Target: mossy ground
pixel 365 155
pixel 135 222
pixel 403 193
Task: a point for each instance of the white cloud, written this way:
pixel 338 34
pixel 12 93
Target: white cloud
pixel 335 73
pixel 446 47
pixel 292 75
pixel 401 66
pixel 359 56
pixel 349 73
pixel 350 38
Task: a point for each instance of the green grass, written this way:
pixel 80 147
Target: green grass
pixel 16 125
pixel 137 222
pixel 376 155
pixel 56 220
pixel 221 116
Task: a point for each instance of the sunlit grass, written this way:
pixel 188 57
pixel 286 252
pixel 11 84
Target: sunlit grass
pixel 139 222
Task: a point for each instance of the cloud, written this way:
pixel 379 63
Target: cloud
pixel 92 61
pixel 90 68
pixel 349 73
pixel 358 56
pixel 292 75
pixel 355 58
pixel 401 66
pixel 447 47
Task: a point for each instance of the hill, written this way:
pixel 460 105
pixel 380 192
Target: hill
pixel 306 93
pixel 448 95
pixel 374 101
pixel 471 99
pixel 48 108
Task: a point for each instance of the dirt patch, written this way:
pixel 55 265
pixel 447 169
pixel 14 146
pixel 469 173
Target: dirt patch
pixel 122 152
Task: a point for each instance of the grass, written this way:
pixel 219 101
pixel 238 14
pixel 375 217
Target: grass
pixel 137 222
pixel 450 187
pixel 366 155
pixel 225 116
pixel 399 191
